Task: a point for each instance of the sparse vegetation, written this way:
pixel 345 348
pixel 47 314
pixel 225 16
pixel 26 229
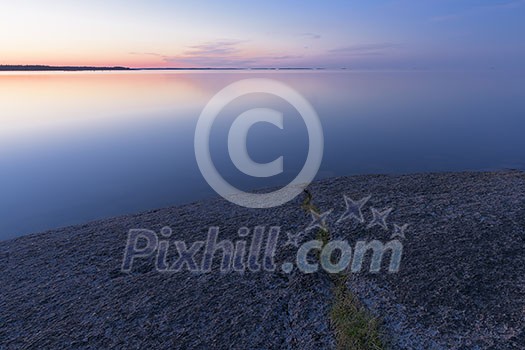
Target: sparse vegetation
pixel 354 327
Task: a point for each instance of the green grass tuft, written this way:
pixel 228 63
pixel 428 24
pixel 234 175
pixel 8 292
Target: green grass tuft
pixel 355 328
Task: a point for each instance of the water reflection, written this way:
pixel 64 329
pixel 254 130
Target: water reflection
pixel 81 146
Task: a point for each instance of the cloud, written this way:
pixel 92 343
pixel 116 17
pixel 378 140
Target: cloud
pixel 504 5
pixel 365 49
pixel 222 53
pixel 310 35
pixel 146 54
pixel 285 57
pixel 512 4
pixel 235 61
pixel 210 62
pixel 218 48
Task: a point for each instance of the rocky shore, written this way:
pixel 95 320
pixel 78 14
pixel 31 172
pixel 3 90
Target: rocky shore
pixel 461 283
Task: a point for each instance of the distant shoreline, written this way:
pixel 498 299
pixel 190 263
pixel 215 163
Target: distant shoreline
pixel 44 68
pixel 234 68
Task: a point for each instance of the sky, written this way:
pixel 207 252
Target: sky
pixel 378 34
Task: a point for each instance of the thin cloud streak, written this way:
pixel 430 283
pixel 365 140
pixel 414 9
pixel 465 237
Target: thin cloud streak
pixel 219 48
pixel 474 9
pixel 365 49
pixel 222 53
pixel 313 36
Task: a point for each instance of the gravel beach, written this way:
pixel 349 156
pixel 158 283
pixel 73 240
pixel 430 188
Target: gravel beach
pixel 461 284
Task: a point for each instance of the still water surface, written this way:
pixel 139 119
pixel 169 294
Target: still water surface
pixel 75 147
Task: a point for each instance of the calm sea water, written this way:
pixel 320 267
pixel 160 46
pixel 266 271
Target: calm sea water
pixel 81 146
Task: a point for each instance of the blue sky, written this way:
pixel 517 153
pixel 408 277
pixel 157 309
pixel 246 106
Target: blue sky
pixel 383 34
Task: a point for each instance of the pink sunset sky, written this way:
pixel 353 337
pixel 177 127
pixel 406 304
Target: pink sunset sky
pixel 364 34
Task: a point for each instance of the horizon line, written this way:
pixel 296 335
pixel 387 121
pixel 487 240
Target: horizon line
pixel 42 67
